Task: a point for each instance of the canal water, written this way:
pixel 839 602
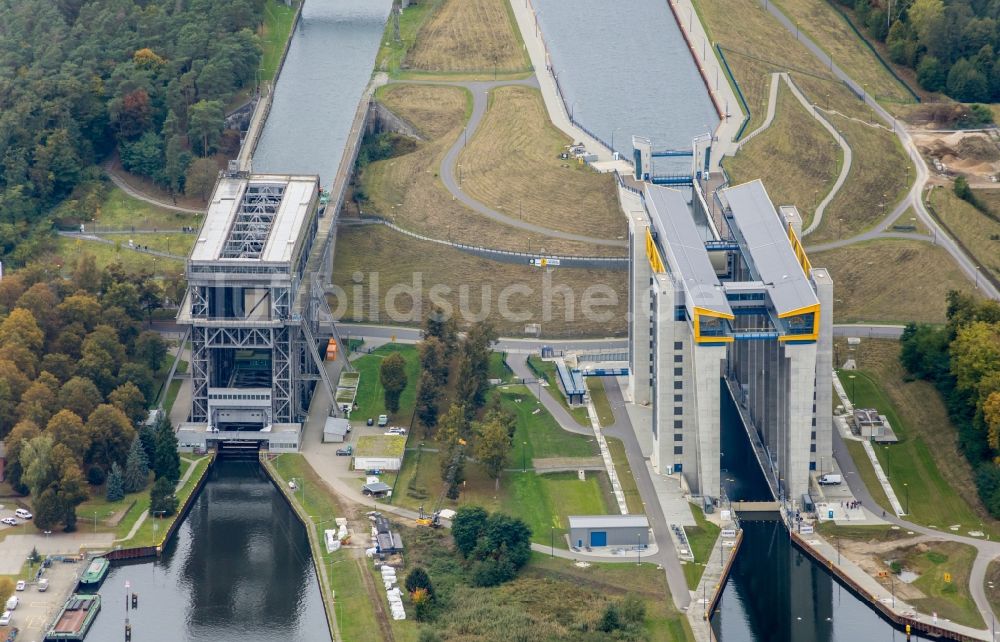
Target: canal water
pixel 625 69
pixel 239 568
pixel 328 67
pixel 775 592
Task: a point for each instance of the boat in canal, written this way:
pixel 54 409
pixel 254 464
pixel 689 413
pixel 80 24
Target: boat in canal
pixel 75 619
pixel 95 573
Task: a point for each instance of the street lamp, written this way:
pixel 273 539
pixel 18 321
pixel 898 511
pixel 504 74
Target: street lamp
pixel 524 453
pixel 906 488
pixel 638 549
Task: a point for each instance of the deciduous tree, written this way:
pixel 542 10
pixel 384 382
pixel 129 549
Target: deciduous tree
pixel 392 376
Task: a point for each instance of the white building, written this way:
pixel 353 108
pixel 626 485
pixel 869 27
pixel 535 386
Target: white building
pixel 729 305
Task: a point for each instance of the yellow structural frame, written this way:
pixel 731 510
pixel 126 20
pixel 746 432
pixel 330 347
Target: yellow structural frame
pixel 653 254
pixel 706 312
pixel 814 335
pixel 800 252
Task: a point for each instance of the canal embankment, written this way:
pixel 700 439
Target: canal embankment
pixel 263 106
pixel 883 600
pixel 718 566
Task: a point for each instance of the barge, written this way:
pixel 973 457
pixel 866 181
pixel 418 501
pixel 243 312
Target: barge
pixel 75 619
pixel 96 571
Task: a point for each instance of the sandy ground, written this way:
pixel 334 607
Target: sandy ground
pixel 976 155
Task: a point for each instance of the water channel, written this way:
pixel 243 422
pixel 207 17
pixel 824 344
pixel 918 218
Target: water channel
pixel 239 568
pixel 328 66
pixel 625 70
pixel 775 592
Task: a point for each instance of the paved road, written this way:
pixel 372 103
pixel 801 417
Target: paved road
pixel 134 193
pixel 987 550
pixel 914 196
pixel 667 554
pixel 452 180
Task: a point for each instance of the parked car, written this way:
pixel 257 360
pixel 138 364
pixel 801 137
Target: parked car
pixel 370 422
pixel 12 602
pixel 383 420
pixel 43 585
pixel 10 521
pixel 831 479
pixel 5 618
pixel 23 514
pixel 20 586
pixel 346 451
pixel 396 430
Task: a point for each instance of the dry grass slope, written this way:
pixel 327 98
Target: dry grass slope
pixel 408 189
pixel 469 280
pixel 972 227
pixel 796 158
pixel 891 281
pixel 469 35
pixel 512 165
pixel 836 38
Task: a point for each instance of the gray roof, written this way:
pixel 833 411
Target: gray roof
pixel 684 249
pixel 377 487
pixel 238 226
pixel 767 247
pixel 336 426
pixel 608 521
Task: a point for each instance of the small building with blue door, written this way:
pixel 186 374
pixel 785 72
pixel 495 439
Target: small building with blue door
pixel 608 530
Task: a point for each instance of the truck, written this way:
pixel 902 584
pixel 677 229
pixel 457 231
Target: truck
pixel 831 479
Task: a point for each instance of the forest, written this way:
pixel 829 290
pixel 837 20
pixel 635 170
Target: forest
pixel 77 375
pixel 83 79
pixel 962 359
pixel 951 44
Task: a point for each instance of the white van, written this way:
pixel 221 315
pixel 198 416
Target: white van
pixel 12 602
pixel 831 479
pixel 23 514
pixel 43 585
pixel 5 618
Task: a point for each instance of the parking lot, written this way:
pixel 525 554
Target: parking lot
pixel 36 610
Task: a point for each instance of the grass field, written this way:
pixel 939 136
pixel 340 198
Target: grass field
pixel 633 500
pixel 605 415
pixel 371 400
pixel 993 584
pixel 867 472
pixel 970 226
pixel 926 441
pixel 538 434
pixel 832 33
pixel 392 52
pixel 273 36
pixel 891 280
pixel 702 539
pixel 66 250
pixel 545 501
pixel 468 35
pixel 404 260
pixel 870 534
pixel 179 244
pixel 408 189
pixel 355 615
pixel 949 599
pixel 122 212
pixel 796 158
pixel 548 370
pixel 512 165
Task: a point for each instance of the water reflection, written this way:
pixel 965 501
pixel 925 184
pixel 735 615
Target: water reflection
pixel 328 66
pixel 239 568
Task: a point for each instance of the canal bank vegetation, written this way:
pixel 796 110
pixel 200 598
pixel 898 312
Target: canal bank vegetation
pixel 992 584
pixel 926 468
pixel 633 499
pixel 599 396
pixel 891 281
pixel 464 36
pixel 512 164
pixel 274 33
pixel 349 593
pixel 701 538
pixel 796 158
